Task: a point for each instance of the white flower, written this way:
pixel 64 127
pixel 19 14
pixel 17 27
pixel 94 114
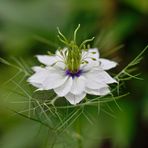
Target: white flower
pixel 90 78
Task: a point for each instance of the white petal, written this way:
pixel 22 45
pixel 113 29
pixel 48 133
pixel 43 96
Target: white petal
pixel 90 65
pixel 60 65
pixel 78 85
pixel 104 91
pixel 62 53
pixel 74 99
pixel 65 88
pixel 55 78
pixel 39 76
pixel 47 60
pixel 47 78
pixel 92 80
pixel 37 85
pixel 107 64
pixel 92 91
pixel 105 77
pixel 37 68
pixel 91 57
pixel 94 84
pixel 100 92
pixel 91 53
pixel 99 76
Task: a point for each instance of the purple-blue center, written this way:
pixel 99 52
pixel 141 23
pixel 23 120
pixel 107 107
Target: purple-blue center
pixel 73 74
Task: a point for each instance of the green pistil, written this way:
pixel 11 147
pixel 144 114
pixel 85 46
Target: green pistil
pixel 73 59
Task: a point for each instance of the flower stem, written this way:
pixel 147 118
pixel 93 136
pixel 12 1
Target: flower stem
pixel 78 130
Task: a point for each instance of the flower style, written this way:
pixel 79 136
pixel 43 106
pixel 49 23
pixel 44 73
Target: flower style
pixel 73 72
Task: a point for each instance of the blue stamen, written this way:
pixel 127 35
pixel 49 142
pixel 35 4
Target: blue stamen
pixel 73 74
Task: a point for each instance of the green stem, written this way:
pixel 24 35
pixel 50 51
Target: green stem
pixel 78 130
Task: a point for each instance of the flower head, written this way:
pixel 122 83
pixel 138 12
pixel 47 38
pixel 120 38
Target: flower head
pixel 73 72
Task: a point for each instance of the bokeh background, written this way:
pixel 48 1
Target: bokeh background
pixel 28 27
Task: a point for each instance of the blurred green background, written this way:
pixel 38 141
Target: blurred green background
pixel 28 27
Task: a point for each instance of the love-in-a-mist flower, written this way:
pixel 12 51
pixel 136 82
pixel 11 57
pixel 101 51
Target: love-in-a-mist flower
pixel 73 72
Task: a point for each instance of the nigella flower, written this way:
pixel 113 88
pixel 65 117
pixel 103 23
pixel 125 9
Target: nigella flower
pixel 73 72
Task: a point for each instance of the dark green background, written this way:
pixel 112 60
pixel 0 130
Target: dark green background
pixel 28 27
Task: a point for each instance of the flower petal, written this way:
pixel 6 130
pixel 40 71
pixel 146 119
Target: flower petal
pixel 93 81
pixel 37 68
pixel 74 99
pixel 37 85
pixel 55 78
pixel 105 77
pixel 65 88
pixel 91 53
pixel 60 65
pixel 62 53
pixel 107 64
pixel 94 53
pixel 38 78
pixel 90 65
pixel 100 92
pixel 99 76
pixel 92 84
pixel 47 60
pixel 90 59
pixel 78 85
pixel 104 91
